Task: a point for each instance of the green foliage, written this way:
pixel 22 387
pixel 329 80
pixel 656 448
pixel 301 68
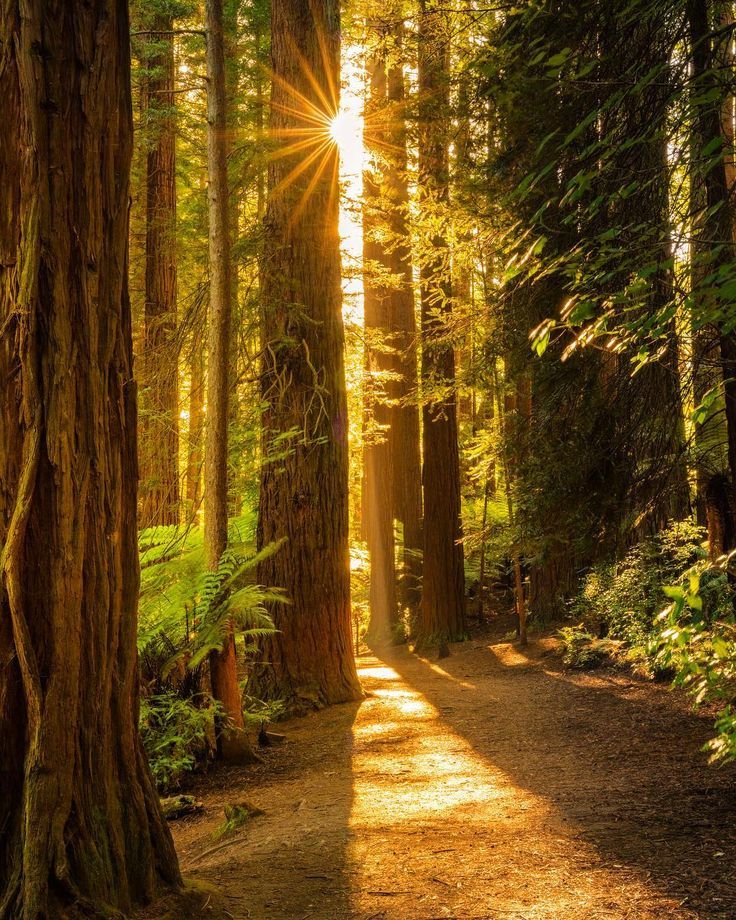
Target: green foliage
pixel 582 650
pixel 496 537
pixel 185 611
pixel 626 596
pixel 693 638
pixel 176 734
pixel 697 640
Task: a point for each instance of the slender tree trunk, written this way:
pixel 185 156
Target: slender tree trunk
pixel 406 462
pixel 235 198
pixel 443 591
pixel 160 423
pixel 378 503
pixel 505 408
pixel 196 427
pixel 713 490
pixel 304 478
pixel 482 566
pixel 233 744
pixel 81 823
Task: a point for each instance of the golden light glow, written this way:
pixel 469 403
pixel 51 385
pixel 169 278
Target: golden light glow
pixel 421 790
pixel 312 128
pixel 346 130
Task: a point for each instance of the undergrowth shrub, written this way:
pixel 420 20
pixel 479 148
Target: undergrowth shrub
pixel 185 612
pixel 622 599
pixel 582 650
pixel 697 640
pixel 178 737
pixel 692 638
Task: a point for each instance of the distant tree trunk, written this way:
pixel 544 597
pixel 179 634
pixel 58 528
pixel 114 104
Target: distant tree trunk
pixel 514 405
pixel 304 478
pixel 233 744
pixel 260 124
pixel 232 31
pixel 378 503
pixel 196 427
pixel 406 462
pixel 714 224
pixel 482 564
pixel 82 828
pixel 443 591
pixel 159 452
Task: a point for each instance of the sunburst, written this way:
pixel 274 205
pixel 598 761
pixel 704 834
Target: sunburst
pixel 314 131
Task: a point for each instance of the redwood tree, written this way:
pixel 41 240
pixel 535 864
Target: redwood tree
pixel 378 502
pixel 406 463
pixel 304 478
pixel 713 249
pixel 443 588
pixel 160 424
pixel 80 818
pixel 233 744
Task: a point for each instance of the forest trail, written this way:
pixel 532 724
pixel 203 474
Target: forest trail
pixel 490 784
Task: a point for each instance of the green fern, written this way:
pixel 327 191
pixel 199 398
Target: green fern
pixel 185 611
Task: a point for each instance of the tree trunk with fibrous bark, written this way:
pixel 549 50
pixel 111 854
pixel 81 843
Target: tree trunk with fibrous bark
pixel 443 583
pixel 304 480
pixel 82 829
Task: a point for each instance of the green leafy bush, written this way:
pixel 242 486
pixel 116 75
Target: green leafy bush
pixel 581 649
pixel 697 640
pixel 177 735
pixel 693 638
pixel 624 598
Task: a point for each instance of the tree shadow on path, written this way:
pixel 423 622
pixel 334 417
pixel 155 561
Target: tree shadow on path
pixel 618 761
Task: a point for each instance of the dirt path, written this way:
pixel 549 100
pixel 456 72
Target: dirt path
pixel 490 784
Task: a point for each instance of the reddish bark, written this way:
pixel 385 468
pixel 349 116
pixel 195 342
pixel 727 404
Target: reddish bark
pixel 378 501
pixel 80 818
pixel 443 586
pixel 233 744
pixel 159 449
pixel 304 479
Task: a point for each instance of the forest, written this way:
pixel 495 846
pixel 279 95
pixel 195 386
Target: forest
pixel 367 459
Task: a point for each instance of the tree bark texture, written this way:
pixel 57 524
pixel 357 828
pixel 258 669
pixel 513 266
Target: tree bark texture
pixel 159 453
pixel 443 588
pixel 81 824
pixel 716 222
pixel 406 461
pixel 232 742
pixel 378 502
pixel 195 434
pixel 304 478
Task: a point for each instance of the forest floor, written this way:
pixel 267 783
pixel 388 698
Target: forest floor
pixel 491 784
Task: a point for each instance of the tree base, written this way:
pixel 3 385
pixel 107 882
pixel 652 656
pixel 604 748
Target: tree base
pixel 236 751
pixel 196 900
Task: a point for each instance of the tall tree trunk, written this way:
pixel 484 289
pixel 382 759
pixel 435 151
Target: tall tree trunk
pixel 443 591
pixel 714 225
pixel 404 435
pixel 304 477
pixel 235 193
pixel 159 452
pixel 378 504
pixel 196 427
pixel 713 488
pixel 80 818
pixel 233 744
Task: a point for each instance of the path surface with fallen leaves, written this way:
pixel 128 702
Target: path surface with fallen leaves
pixel 489 784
